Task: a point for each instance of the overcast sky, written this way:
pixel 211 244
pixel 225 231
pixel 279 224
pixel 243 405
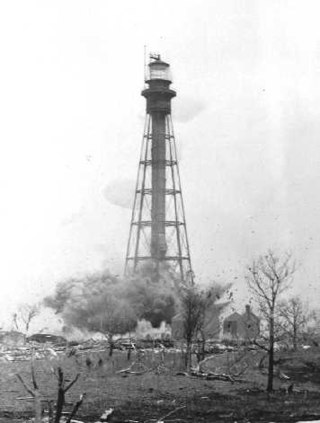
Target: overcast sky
pixel 246 119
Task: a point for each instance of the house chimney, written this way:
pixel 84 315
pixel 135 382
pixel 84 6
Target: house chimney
pixel 248 311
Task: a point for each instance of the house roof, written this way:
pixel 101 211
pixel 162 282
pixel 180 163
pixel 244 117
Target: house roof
pixel 243 316
pixel 233 316
pixel 251 315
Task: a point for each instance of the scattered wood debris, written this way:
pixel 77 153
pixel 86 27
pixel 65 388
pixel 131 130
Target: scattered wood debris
pixel 209 376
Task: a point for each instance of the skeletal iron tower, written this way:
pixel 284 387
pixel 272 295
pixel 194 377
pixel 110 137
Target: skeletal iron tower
pixel 158 232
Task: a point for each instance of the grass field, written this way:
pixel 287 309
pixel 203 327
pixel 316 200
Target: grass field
pixel 159 391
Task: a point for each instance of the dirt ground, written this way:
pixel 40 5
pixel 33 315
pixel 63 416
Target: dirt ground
pixel 159 391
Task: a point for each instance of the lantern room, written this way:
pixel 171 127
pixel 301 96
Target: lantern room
pixel 159 70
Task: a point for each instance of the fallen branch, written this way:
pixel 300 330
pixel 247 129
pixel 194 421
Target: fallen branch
pixel 213 376
pixel 210 376
pixel 222 377
pixel 233 374
pixel 157 368
pixel 202 362
pixel 133 372
pixel 169 414
pixel 129 370
pixel 162 419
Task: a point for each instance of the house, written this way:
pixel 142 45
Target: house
pixel 243 327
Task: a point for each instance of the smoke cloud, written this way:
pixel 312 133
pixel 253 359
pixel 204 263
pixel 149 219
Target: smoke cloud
pixel 94 303
pixel 104 303
pixel 120 192
pixel 187 109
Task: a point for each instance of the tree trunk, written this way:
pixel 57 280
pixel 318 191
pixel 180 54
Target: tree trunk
pixel 271 354
pixel 188 356
pixel 50 411
pixel 61 396
pixel 60 404
pixel 294 339
pixel 202 346
pixel 129 354
pixel 37 406
pixel 111 345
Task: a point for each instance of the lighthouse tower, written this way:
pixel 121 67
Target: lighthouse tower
pixel 158 233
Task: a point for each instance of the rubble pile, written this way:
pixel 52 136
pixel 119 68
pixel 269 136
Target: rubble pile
pixel 30 351
pixel 48 350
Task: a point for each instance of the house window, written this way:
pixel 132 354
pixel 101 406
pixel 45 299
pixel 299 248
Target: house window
pixel 231 327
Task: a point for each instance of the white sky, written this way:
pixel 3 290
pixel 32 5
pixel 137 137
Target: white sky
pixel 246 119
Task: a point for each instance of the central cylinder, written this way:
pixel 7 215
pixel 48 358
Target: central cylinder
pixel 158 95
pixel 158 204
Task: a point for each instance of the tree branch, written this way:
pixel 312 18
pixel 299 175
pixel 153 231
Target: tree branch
pixel 33 376
pixel 29 390
pixel 72 383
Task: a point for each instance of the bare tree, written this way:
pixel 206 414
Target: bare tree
pixel 294 318
pixel 37 396
pixel 24 315
pixel 197 307
pixel 268 277
pixel 311 333
pixel 62 390
pixel 191 310
pixel 34 392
